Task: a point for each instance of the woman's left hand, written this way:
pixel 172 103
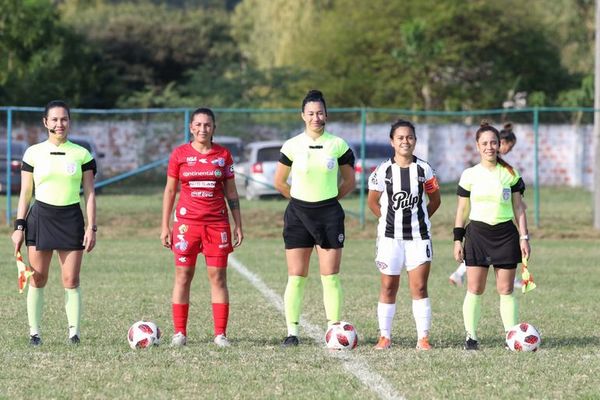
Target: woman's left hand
pixel 89 239
pixel 238 236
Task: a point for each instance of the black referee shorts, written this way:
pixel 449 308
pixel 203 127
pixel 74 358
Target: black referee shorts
pixel 308 224
pixel 55 227
pixel 496 245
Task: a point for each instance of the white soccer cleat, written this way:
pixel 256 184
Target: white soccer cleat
pixel 179 340
pixel 222 341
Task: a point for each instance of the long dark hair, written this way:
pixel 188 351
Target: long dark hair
pixel 486 127
pixel 314 95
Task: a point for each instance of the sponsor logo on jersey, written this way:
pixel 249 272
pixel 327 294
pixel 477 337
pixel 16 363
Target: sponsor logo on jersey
pixel 374 179
pixel 197 173
pixel 231 169
pixel 219 161
pixel 218 173
pixel 202 184
pixel 505 194
pixel 203 161
pixel 341 238
pixel 71 168
pixel 223 246
pixel 183 228
pixel 199 193
pixel 421 179
pixel 182 259
pixel 403 200
pixel 190 160
pixel 388 181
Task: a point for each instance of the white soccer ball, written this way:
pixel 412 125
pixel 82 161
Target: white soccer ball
pixel 341 336
pixel 523 337
pixel 143 334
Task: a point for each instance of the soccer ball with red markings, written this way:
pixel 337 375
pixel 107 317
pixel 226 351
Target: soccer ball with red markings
pixel 143 334
pixel 523 337
pixel 341 336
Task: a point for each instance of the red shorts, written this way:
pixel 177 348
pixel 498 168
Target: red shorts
pixel 214 241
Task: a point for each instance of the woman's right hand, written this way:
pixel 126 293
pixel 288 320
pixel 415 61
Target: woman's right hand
pixel 165 237
pixel 458 251
pixel 18 237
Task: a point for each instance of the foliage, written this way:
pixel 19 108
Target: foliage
pixel 43 59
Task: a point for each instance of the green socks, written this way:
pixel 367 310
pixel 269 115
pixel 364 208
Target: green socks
pixel 332 297
pixel 472 313
pixel 73 309
pixel 35 303
pixel 509 310
pixel 292 302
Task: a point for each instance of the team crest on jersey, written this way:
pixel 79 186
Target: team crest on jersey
pixel 191 161
pixel 330 163
pixel 183 228
pixel 219 161
pixel 71 168
pixel 403 200
pixel 381 265
pixel 505 194
pixel 182 245
pixel 218 173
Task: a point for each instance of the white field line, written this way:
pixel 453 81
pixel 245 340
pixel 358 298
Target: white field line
pixel 350 360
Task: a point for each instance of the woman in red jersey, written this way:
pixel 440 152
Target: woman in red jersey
pixel 201 222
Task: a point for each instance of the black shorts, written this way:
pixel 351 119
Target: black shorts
pixel 308 224
pixel 496 245
pixel 55 227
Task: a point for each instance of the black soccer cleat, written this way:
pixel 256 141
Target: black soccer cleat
pixel 35 340
pixel 290 341
pixel 74 340
pixel 471 344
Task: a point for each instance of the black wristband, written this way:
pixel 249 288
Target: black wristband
pixel 20 224
pixel 459 233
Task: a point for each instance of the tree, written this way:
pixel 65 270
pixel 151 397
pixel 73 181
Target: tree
pixel 44 59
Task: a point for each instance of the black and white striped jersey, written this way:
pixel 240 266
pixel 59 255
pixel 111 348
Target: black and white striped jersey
pixel 403 198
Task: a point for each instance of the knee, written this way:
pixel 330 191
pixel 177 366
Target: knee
pixel 183 278
pixel 419 292
pixel 70 282
pixel 39 280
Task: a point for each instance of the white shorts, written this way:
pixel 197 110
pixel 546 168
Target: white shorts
pixel 395 254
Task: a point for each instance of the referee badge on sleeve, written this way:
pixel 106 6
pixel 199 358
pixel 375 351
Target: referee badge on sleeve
pixel 505 194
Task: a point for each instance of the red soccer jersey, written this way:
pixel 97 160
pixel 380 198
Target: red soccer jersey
pixel 201 198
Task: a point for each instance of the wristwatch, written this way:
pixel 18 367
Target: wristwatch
pixel 95 228
pixel 524 237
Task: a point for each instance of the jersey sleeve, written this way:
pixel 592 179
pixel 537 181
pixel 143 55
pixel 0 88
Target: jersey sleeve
pixel 431 182
pixel 173 168
pixel 464 184
pixel 376 182
pixel 287 154
pixel 229 169
pixel 28 160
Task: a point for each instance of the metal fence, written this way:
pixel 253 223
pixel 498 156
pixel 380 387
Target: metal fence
pixel 135 141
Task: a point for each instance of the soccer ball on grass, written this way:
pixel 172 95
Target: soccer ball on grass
pixel 341 336
pixel 523 337
pixel 143 334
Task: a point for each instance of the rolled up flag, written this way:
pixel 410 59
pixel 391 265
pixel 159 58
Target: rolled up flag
pixel 23 273
pixel 527 278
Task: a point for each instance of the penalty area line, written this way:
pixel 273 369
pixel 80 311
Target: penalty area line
pixel 351 361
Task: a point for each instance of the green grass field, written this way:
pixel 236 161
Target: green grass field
pixel 129 277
